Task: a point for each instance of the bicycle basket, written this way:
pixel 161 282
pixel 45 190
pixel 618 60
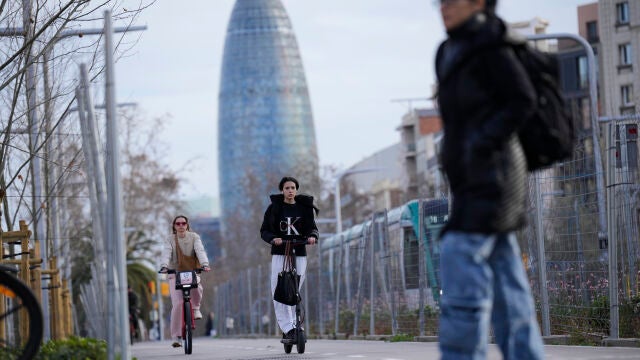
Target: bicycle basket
pixel 186 279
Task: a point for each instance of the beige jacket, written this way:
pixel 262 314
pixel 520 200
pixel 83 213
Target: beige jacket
pixel 190 244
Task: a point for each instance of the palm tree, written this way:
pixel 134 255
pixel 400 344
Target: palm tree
pixel 140 271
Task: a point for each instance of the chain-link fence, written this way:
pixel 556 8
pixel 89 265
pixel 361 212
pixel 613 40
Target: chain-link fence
pixel 581 247
pixel 381 277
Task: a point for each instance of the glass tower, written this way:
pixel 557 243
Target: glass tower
pixel 265 124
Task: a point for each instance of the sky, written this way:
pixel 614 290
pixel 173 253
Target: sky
pixel 366 62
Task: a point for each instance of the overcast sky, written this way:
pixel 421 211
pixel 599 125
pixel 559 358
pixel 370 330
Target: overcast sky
pixel 360 57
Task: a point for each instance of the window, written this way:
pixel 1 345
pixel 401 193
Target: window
pixel 626 95
pixel 625 54
pixel 583 78
pixel 592 31
pixel 622 13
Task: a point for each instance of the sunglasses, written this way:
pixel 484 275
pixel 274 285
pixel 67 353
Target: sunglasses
pixel 443 2
pixel 181 223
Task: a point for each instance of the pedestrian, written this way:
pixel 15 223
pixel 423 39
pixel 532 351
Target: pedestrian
pixel 289 216
pixel 183 251
pixel 133 313
pixel 209 326
pixel 484 95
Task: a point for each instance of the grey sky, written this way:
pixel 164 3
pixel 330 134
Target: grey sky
pixel 359 55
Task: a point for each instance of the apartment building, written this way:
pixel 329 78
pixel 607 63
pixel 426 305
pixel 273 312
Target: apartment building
pixel 619 33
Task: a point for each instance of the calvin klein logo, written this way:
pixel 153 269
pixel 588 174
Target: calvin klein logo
pixel 288 226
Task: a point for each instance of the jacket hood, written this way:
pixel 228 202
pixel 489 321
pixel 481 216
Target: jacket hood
pixel 303 199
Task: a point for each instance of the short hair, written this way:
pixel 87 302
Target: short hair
pixel 288 178
pixel 490 5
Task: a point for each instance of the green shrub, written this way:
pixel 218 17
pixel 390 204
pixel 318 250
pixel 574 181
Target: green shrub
pixel 74 348
pixel 401 337
pixel 630 318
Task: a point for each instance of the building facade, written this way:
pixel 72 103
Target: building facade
pixel 619 32
pixel 265 123
pixel 420 133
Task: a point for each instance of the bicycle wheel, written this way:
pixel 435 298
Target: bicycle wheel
pixel 20 310
pixel 187 327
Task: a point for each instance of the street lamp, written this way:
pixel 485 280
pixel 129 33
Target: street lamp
pixel 338 207
pixel 338 212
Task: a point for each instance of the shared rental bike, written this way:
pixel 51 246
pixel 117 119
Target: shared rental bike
pixel 20 318
pixel 185 281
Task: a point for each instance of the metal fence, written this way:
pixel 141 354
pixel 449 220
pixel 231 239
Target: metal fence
pixel 381 277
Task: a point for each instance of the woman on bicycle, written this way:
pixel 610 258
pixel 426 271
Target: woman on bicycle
pixel 183 251
pixel 289 216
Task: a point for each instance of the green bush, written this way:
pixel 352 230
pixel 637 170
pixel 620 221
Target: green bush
pixel 630 318
pixel 78 348
pixel 401 337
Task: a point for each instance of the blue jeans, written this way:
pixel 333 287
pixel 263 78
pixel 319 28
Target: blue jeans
pixel 483 278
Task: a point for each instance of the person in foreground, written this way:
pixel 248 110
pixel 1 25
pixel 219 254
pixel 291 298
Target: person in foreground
pixel 183 251
pixel 484 95
pixel 289 216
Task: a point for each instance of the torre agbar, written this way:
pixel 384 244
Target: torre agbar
pixel 265 124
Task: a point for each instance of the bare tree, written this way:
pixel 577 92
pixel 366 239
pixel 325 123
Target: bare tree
pixel 37 82
pixel 149 185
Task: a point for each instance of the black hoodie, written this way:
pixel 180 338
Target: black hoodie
pixel 483 97
pixel 305 223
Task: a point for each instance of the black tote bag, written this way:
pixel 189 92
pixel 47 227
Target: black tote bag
pixel 288 279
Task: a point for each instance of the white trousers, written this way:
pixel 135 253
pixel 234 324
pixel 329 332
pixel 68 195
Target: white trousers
pixel 285 314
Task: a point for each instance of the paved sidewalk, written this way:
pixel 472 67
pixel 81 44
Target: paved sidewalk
pixel 256 349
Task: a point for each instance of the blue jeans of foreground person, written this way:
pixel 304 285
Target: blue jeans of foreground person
pixel 483 279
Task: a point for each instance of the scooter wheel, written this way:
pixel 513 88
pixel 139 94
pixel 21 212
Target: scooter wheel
pixel 301 340
pixel 287 348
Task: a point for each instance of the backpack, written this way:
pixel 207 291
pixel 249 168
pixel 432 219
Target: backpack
pixel 548 135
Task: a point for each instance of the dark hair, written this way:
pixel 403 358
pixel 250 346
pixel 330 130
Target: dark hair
pixel 173 223
pixel 490 6
pixel 288 178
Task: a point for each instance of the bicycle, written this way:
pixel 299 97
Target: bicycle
pixel 300 338
pixel 20 310
pixel 185 281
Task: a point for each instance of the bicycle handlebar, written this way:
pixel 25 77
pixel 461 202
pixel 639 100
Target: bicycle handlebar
pixel 173 271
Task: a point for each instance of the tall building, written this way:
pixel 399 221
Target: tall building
pixel 265 123
pixel 619 30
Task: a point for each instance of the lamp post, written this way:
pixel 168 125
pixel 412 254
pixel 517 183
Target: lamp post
pixel 338 207
pixel 338 211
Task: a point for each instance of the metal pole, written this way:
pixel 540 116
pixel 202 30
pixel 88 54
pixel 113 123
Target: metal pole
pixel 320 292
pixel 389 281
pixel 115 230
pixel 32 114
pixel 338 207
pixel 613 238
pixel 337 302
pixel 97 166
pixel 362 252
pixel 542 268
pixel 98 235
pixel 372 279
pixel 421 265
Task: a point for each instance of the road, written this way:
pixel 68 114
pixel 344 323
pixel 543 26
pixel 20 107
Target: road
pixel 255 349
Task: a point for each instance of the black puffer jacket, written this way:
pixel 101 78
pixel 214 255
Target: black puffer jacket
pixel 484 95
pixel 270 224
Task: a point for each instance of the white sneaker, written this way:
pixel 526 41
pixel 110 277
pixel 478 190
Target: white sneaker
pixel 197 314
pixel 177 342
